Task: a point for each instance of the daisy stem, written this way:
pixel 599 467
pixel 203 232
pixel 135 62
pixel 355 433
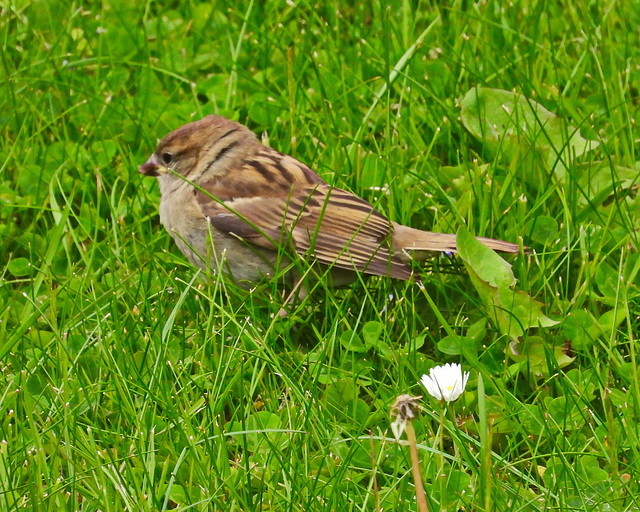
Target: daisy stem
pixel 441 474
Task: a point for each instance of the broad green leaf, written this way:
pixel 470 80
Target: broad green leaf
pixel 452 345
pixel 533 353
pixel 20 267
pixel 525 309
pixel 103 152
pixel 416 343
pixel 486 263
pixel 599 180
pixel 584 382
pixel 351 341
pixel 507 119
pixel 371 333
pixel 513 310
pixel 178 494
pixel 478 331
pixel 608 281
pixel 458 483
pixel 343 401
pixel 543 229
pixel 564 413
pixel 590 469
pixel 256 428
pixel 582 329
pixel 532 419
pixel 263 109
pixel 612 319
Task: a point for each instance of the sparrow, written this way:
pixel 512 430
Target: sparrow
pixel 234 205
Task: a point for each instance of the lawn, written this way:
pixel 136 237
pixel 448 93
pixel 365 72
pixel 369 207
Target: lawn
pixel 132 381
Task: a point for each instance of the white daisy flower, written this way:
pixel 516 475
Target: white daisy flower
pixel 445 382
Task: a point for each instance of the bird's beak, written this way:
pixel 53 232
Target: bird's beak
pixel 150 167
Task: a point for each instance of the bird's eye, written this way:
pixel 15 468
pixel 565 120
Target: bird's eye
pixel 166 158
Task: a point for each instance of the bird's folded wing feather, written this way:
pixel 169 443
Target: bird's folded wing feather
pixel 334 226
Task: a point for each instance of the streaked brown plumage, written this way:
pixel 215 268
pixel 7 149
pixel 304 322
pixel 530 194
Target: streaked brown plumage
pixel 233 204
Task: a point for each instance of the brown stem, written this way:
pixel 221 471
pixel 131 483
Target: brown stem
pixel 376 492
pixel 415 466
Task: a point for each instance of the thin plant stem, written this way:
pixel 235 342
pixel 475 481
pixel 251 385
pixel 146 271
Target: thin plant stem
pixel 376 491
pixel 441 474
pixel 421 497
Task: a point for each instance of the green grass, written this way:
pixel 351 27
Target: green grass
pixel 129 382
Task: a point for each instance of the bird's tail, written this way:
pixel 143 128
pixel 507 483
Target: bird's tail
pixel 417 244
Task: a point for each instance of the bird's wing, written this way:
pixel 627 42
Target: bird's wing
pixel 333 226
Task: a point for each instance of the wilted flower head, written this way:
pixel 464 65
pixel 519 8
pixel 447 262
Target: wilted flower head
pixel 404 409
pixel 445 382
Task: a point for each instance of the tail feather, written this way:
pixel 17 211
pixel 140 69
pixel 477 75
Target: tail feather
pixel 410 243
